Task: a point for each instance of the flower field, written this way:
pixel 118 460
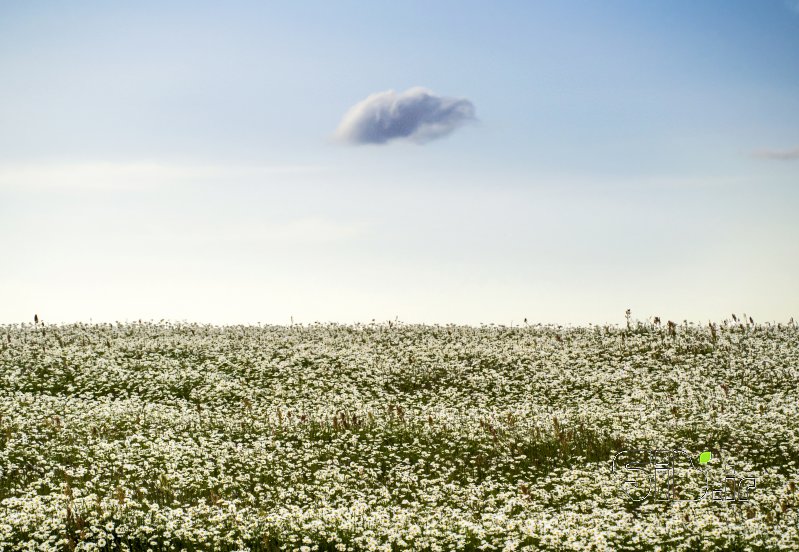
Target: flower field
pixel 167 436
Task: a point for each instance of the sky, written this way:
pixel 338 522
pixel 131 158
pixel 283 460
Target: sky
pixel 436 162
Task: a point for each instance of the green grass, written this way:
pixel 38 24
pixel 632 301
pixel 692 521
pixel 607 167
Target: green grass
pixel 388 436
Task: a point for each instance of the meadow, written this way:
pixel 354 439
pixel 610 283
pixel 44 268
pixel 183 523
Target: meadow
pixel 390 436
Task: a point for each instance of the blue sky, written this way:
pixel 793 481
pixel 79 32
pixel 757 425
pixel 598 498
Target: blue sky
pixel 179 161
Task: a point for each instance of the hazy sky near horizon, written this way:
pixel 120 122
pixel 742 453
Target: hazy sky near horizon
pixel 179 160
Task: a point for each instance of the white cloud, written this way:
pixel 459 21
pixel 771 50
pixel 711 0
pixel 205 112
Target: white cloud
pixel 417 114
pixel 290 233
pixel 103 176
pixel 299 231
pixel 780 155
